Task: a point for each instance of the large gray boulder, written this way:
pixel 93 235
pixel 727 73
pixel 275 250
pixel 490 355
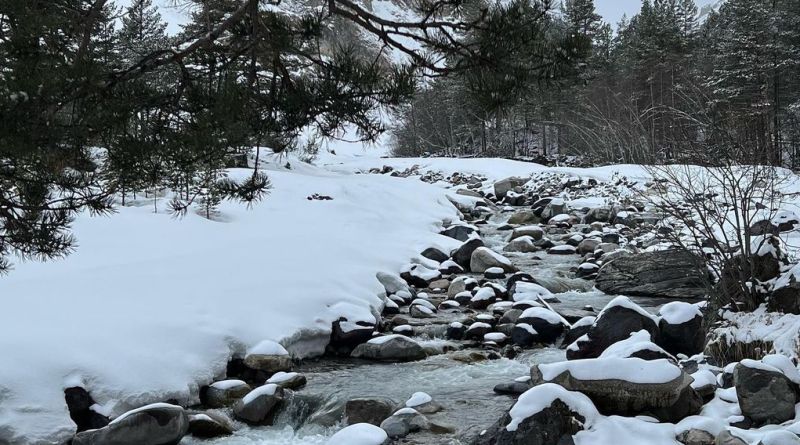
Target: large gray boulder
pixel 766 396
pixel 484 258
pixel 503 186
pixel 156 424
pixel 225 393
pixel 463 255
pixel 616 322
pixel 668 274
pixel 627 386
pixel 390 348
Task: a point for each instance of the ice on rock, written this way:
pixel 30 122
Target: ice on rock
pixel 536 399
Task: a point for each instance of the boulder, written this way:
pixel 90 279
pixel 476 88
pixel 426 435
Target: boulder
pixel 766 395
pixel 346 335
pixel 435 254
pixel 390 348
pixel 484 258
pixel 535 232
pixel 626 386
pixel 726 438
pixel 463 255
pixel 523 244
pixel 419 275
pixel 667 274
pixel 372 410
pixel 524 335
pixel 681 328
pixel 578 330
pixel 224 393
pixel 404 422
pixel 79 404
pixel 504 186
pixel 543 415
pixel 459 232
pixel 598 214
pixel 616 322
pixel 547 324
pixel 288 380
pixel 695 436
pixel 268 357
pixel 156 424
pixel 258 407
pixel 511 388
pixel 359 434
pixel 210 424
pixel 524 217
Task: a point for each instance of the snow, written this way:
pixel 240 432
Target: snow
pixel 626 302
pixel 784 365
pixel 359 434
pixel 281 377
pixel 150 308
pixel 544 314
pixel 497 337
pixel 266 390
pixel 638 341
pixel 496 256
pixel 678 312
pixel 633 370
pixel 417 399
pixel 229 384
pixel 146 408
pixel 385 338
pixel 529 291
pixel 536 399
pixel 585 321
pixel 267 347
pixel 702 378
pixel 483 294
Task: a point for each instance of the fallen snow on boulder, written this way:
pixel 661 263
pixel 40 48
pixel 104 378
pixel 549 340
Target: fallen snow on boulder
pixel 536 399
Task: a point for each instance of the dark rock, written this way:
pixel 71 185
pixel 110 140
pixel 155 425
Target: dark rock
pixel 463 254
pixel 786 299
pixel 79 404
pixel 456 331
pixel 208 425
pixel 616 323
pixel 545 322
pixel 372 410
pixel 157 424
pixel 695 437
pixel 554 425
pixel 765 396
pixel 512 388
pixel 686 337
pixel 577 331
pixel 396 348
pixel 460 233
pixel 346 335
pixel 668 274
pixel 524 335
pixel 226 393
pixel 259 406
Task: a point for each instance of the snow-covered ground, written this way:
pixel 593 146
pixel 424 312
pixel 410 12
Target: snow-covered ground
pixel 149 307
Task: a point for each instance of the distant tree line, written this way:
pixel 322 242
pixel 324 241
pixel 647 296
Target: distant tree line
pixel 670 85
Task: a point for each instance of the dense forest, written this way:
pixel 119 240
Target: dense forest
pixel 669 84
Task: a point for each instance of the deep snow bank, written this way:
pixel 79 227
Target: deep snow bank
pixel 149 307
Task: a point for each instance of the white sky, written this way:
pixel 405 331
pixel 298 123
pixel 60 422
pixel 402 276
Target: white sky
pixel 612 10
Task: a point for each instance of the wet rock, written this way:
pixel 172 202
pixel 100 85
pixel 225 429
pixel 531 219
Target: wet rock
pixel 524 217
pixel 372 410
pixel 587 271
pixel 404 422
pixel 523 244
pixel 79 404
pixel 435 254
pixel 224 393
pixel 390 348
pixel 423 403
pixel 510 316
pixel 459 232
pixel 668 274
pixel 346 335
pixel 258 407
pixel 440 284
pixel 268 357
pixel 463 255
pixel 512 388
pixel 577 330
pixel 208 425
pixel 766 396
pixel 484 258
pixel 524 335
pixel 418 311
pixel 477 330
pixel 564 249
pixel 156 424
pixel 461 284
pixel 288 380
pixel 534 232
pixel 589 245
pixel 450 267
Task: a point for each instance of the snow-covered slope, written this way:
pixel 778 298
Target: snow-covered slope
pixel 150 307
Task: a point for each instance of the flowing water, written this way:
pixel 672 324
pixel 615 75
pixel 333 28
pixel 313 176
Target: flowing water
pixel 464 390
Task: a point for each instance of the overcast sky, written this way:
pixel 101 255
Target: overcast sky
pixel 612 10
